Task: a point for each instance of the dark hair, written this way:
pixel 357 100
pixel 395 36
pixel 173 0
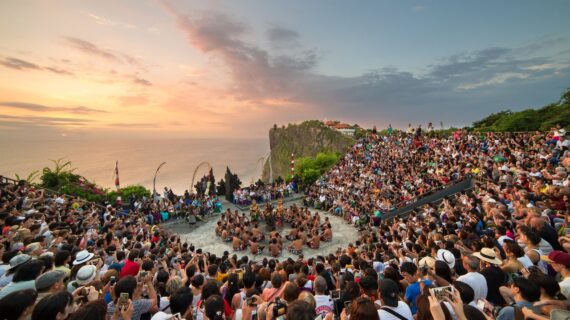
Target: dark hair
pixel 276 280
pixel 209 289
pixel 198 280
pixel 190 271
pixel 120 255
pixel 529 290
pixel 442 269
pixel 344 260
pixel 29 271
pixel 473 313
pixel 8 255
pixel 514 247
pixel 48 262
pixel 248 279
pixel 133 254
pixel 409 267
pixel 300 310
pixel 125 285
pixel 369 285
pixel 465 291
pixel 93 310
pixel 531 235
pixel 60 257
pixel 233 287
pixel 181 300
pixel 291 292
pixel 212 270
pixel 13 305
pixel 49 307
pixel 214 307
pixel 147 265
pixel 363 309
pixel 549 284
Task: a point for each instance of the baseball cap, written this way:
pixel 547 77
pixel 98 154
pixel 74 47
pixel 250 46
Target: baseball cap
pixel 557 257
pixel 389 292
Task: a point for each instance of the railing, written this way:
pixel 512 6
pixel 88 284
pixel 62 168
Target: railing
pixel 464 184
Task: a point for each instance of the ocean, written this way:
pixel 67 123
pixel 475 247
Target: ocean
pixel 138 159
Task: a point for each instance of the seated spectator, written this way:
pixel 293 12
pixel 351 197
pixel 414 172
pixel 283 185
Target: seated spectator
pixel 18 305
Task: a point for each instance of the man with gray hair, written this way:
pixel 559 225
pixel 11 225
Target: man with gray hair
pixel 473 278
pixel 324 303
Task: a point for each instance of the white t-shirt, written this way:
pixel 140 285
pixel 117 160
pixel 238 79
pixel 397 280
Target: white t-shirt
pixel 324 305
pixel 476 281
pixel 502 239
pixel 403 309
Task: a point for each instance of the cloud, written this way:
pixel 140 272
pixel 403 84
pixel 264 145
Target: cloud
pixel 23 65
pixel 134 124
pixel 43 108
pixel 141 81
pixel 19 64
pixel 462 86
pixel 92 49
pixel 282 35
pixel 59 71
pixel 101 20
pixel 256 73
pixel 45 121
pixel 108 22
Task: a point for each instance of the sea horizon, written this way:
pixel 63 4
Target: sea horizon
pixel 138 159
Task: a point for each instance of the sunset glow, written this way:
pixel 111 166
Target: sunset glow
pixel 234 68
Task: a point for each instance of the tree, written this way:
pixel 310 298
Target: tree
pixel 309 169
pixel 232 183
pixel 221 188
pixel 30 178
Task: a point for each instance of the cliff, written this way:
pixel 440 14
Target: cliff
pixel 304 140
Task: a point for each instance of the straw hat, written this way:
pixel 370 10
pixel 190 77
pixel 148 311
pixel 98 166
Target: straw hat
pixel 489 255
pixel 428 262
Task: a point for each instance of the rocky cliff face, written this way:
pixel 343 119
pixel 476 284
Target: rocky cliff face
pixel 304 140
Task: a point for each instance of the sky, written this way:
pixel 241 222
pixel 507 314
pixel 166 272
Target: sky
pixel 232 69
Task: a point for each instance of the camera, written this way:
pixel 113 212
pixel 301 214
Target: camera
pixel 250 301
pixel 279 308
pixel 123 300
pixel 335 294
pixel 113 280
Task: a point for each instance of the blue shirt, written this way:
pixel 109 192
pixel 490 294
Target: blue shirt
pixel 412 292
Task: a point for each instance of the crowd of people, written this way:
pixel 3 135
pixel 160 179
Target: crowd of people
pixel 497 251
pixel 384 172
pixel 305 229
pixel 263 192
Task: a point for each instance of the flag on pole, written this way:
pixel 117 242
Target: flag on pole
pixel 116 175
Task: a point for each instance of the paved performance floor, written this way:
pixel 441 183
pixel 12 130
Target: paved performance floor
pixel 203 236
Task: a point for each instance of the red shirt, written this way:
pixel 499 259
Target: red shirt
pixel 130 268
